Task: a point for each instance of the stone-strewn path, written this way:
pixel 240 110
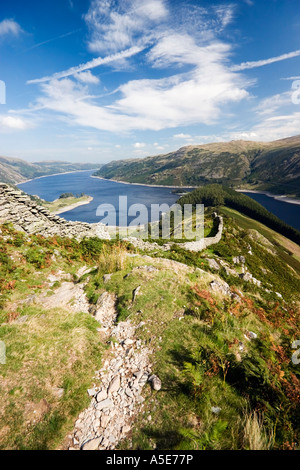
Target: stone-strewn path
pixel 116 397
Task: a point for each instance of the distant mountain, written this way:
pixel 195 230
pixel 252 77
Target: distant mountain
pixel 273 166
pixel 15 170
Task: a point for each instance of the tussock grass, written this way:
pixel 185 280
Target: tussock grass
pixel 255 435
pixel 111 259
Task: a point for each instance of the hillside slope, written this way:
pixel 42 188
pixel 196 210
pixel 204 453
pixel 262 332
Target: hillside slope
pixel 89 324
pixel 15 170
pixel 271 166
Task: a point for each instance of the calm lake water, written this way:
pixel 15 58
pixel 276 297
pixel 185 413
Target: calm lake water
pixel 108 192
pixel 289 213
pixel 103 192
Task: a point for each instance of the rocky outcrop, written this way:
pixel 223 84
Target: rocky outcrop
pixel 27 216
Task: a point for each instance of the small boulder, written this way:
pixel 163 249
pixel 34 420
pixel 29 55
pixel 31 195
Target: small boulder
pixel 104 404
pixel 155 382
pixel 93 444
pixel 101 395
pixel 212 263
pixel 114 385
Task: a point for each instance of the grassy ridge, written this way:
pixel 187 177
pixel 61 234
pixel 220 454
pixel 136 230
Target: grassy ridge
pixel 219 195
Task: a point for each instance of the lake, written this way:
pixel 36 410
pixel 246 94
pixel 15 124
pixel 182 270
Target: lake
pixel 103 192
pixel 108 192
pixel 288 212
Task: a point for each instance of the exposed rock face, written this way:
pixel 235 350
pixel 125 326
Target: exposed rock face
pixel 213 264
pixel 31 218
pixel 222 288
pixel 248 277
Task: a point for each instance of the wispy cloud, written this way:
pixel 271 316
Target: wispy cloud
pixel 271 104
pixel 197 93
pixel 192 97
pixel 10 27
pixel 118 25
pixel 89 65
pixel 291 78
pixel 182 136
pixel 61 36
pixel 261 63
pixel 87 77
pixel 274 128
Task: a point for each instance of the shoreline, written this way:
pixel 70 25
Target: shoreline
pixel 283 198
pixel 144 184
pixel 73 206
pixel 54 174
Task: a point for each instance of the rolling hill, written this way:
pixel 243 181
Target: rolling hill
pixel 15 170
pixel 273 166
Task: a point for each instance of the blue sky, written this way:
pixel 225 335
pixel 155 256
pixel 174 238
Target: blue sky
pixel 100 80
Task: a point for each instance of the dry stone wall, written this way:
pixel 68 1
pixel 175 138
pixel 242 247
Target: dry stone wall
pixel 196 246
pixel 205 242
pixel 29 217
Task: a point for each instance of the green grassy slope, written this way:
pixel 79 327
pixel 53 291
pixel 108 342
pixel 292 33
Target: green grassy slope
pixel 222 386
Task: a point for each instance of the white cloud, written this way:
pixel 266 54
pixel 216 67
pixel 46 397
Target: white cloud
pixel 291 78
pixel 224 15
pixel 12 123
pixel 271 104
pixel 87 77
pixel 118 25
pixel 139 145
pixel 243 136
pixel 182 136
pixel 261 63
pixel 197 95
pixel 276 127
pixel 193 97
pixel 182 49
pixel 9 27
